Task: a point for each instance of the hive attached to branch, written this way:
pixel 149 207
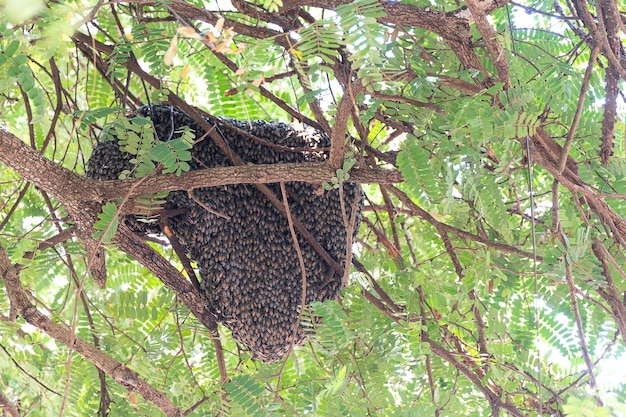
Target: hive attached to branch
pixel 248 263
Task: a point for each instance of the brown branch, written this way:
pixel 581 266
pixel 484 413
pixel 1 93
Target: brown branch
pixel 391 212
pixel 611 79
pixel 242 174
pixel 293 112
pixel 379 305
pixel 296 245
pixel 314 105
pixel 178 248
pixel 610 294
pixel 384 240
pixel 338 136
pixel 58 90
pixel 480 323
pixel 376 286
pixel 456 83
pixel 582 7
pixel 489 36
pixel 170 276
pixel 15 205
pixel 461 233
pixel 580 330
pixel 579 108
pixel 43 173
pixel 117 371
pixel 76 192
pixel 412 102
pixel 174 280
pixel 545 152
pixel 492 397
pixel 20 367
pixel 48 243
pixel 574 301
pixel 431 383
pixel 7 406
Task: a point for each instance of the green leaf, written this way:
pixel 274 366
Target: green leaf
pixel 415 164
pixel 108 221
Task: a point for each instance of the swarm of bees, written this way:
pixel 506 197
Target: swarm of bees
pixel 249 268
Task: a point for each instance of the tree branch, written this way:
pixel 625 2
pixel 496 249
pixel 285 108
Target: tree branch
pixel 76 193
pixel 174 280
pixel 461 233
pixel 489 36
pixel 242 174
pixel 7 406
pixel 42 172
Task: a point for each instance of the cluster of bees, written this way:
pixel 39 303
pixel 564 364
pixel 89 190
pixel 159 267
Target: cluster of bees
pixel 249 268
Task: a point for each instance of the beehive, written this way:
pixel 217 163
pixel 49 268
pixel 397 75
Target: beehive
pixel 247 260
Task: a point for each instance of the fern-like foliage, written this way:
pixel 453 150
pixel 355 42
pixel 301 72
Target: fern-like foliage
pixel 415 163
pixel 319 41
pixel 246 394
pixel 365 35
pixel 108 221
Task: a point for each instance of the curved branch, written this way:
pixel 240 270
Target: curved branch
pixel 76 193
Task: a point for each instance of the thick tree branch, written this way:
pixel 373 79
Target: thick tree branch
pixel 545 152
pixel 600 36
pixel 489 36
pixel 338 136
pixel 76 193
pixel 74 190
pixel 242 174
pixel 609 19
pixel 42 172
pixel 174 280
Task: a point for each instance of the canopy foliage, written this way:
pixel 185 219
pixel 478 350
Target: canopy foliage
pixel 488 274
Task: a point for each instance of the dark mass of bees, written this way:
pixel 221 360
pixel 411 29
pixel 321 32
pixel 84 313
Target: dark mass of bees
pixel 250 271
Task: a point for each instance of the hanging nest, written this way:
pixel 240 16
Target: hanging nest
pixel 249 267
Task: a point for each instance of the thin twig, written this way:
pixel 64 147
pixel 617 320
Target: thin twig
pixel 579 109
pixel 461 233
pixel 296 245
